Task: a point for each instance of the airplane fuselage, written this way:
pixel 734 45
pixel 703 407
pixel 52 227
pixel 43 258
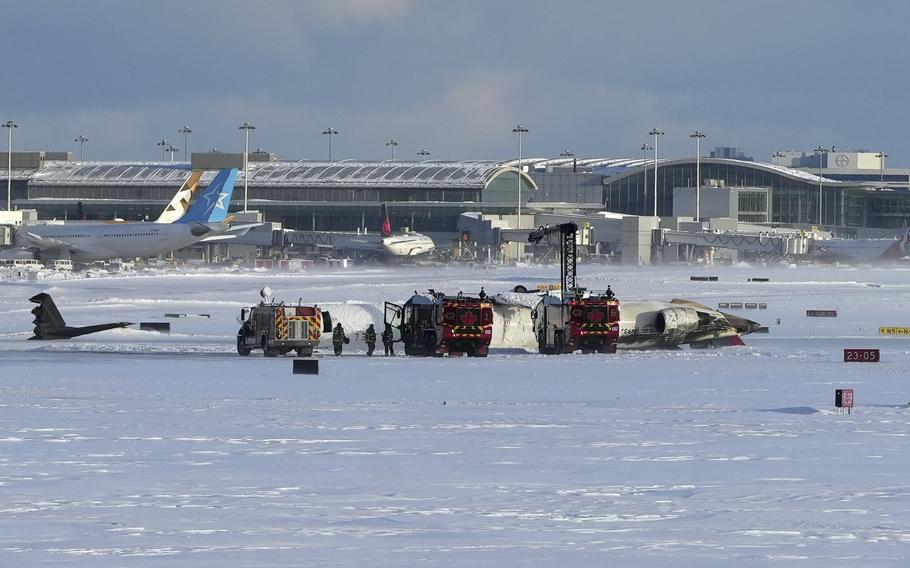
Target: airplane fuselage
pixel 861 251
pixel 649 324
pixel 642 325
pixel 408 244
pixel 90 242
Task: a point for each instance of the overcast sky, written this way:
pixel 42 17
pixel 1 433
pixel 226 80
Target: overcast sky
pixel 455 77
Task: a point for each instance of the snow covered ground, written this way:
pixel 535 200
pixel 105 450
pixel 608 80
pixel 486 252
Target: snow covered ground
pixel 125 447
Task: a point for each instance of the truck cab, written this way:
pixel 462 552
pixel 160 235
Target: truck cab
pixel 585 322
pixel 278 329
pixel 433 325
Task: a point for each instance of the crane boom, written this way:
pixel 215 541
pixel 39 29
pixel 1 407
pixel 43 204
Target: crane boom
pixel 567 259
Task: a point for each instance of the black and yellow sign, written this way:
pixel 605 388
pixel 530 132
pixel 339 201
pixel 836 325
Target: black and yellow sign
pixel 894 330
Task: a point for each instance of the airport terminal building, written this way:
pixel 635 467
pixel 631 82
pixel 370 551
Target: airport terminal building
pixel 309 195
pixel 429 196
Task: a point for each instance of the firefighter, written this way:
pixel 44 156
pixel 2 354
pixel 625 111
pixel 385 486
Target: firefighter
pixel 609 293
pixel 387 342
pixel 369 336
pixel 483 294
pixel 339 338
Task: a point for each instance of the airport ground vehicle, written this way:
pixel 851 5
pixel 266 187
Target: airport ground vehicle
pixel 434 325
pixel 60 264
pixel 575 319
pixel 588 323
pixel 278 329
pixel 23 263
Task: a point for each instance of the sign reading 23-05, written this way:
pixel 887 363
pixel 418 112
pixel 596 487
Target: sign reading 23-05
pixel 861 356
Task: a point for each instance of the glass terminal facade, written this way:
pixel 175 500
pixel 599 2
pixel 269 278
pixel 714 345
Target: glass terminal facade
pixel 430 196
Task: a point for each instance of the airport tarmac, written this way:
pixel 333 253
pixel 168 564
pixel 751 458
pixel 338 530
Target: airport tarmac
pixel 127 446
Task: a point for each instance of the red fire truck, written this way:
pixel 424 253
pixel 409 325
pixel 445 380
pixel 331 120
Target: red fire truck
pixel 434 325
pixel 575 319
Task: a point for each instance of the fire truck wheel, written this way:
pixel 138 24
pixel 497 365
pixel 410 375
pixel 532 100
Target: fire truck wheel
pixel 266 350
pixel 429 343
pixel 242 349
pixel 559 342
pixel 520 289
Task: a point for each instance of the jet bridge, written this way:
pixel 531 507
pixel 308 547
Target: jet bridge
pixel 783 245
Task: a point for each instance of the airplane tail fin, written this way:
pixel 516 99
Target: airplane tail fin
pixel 386 225
pixel 179 205
pixel 898 249
pixel 46 314
pixel 212 205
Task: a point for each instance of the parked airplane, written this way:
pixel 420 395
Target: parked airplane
pixel 89 242
pixel 405 244
pixel 645 324
pixel 383 244
pixel 860 250
pixel 49 323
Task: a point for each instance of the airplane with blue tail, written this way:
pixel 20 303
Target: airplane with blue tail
pixel 205 220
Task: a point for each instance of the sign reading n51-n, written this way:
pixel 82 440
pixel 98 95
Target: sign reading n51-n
pixel 894 330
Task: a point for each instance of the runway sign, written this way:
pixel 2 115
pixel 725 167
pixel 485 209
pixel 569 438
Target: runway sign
pixel 843 398
pixel 861 356
pixel 703 278
pixel 723 305
pixel 759 279
pixel 821 313
pixel 894 330
pixel 751 306
pixel 160 327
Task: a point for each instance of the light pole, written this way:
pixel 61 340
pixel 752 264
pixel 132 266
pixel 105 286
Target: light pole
pixel 881 167
pixel 698 135
pixel 186 140
pixel 9 165
pixel 655 133
pixel 246 127
pixel 163 143
pixel 391 144
pixel 423 153
pixel 330 132
pixel 819 151
pixel 567 154
pixel 81 140
pixel 519 130
pixel 644 175
pixel 171 149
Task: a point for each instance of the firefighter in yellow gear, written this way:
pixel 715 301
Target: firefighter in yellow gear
pixel 369 336
pixel 339 338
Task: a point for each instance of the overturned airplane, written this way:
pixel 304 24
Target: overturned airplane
pixel 645 324
pixel 49 323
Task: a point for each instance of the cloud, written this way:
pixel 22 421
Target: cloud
pixel 360 11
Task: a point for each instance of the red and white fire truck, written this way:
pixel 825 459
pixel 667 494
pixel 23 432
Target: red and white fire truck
pixel 434 325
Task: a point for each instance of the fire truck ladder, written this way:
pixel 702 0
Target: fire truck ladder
pixel 567 259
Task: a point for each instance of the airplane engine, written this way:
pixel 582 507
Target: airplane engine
pixel 675 321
